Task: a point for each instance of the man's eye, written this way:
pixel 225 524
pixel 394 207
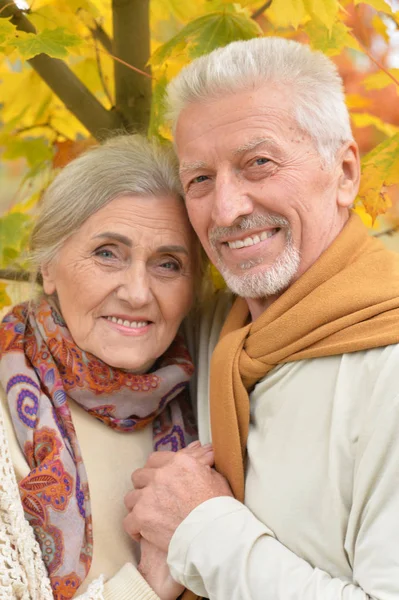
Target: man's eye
pixel 200 179
pixel 170 265
pixel 261 161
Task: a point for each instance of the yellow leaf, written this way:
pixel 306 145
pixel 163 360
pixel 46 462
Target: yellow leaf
pixel 380 171
pixel 325 11
pixel 365 217
pixel 380 5
pixel 380 26
pixel 380 80
pixel 5 299
pixel 357 101
pixel 366 119
pixel 288 14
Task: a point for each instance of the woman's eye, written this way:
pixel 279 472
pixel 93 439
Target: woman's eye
pixel 104 253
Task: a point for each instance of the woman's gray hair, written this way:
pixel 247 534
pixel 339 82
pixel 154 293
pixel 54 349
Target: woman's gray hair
pixel 310 78
pixel 123 165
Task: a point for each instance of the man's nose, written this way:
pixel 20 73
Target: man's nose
pixel 230 202
pixel 135 287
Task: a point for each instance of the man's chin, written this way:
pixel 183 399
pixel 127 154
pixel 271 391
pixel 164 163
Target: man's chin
pixel 258 281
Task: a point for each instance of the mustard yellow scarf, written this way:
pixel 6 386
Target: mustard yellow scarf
pixel 346 302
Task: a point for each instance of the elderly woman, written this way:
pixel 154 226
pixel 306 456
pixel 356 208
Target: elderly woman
pixel 94 372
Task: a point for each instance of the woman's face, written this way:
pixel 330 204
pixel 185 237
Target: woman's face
pixel 124 281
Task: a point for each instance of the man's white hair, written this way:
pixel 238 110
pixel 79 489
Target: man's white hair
pixel 311 79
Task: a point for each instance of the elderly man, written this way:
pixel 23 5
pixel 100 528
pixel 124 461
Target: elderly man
pixel 304 390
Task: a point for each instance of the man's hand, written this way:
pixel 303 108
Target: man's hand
pixel 167 489
pixel 154 569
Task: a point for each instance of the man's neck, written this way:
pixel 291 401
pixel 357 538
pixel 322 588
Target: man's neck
pixel 258 305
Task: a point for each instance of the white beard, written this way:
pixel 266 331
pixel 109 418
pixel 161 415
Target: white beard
pixel 272 280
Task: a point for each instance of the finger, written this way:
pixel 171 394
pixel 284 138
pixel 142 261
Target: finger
pixel 204 454
pixel 131 499
pixel 160 459
pixel 130 527
pixel 142 477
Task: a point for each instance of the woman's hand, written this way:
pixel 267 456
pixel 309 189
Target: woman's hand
pixel 154 568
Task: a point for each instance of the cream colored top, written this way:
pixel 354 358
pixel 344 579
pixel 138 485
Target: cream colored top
pixel 109 457
pixel 321 513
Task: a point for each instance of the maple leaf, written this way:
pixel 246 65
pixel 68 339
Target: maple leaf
pixel 380 171
pixel 35 150
pixel 330 42
pixel 53 42
pixel 7 30
pixel 325 11
pixel 207 33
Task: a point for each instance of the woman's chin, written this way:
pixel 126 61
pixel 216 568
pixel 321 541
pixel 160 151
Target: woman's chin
pixel 133 366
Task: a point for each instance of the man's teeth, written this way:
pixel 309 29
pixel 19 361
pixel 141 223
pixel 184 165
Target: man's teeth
pixel 132 324
pixel 251 241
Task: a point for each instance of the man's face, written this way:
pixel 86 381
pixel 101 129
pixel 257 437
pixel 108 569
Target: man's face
pixel 257 194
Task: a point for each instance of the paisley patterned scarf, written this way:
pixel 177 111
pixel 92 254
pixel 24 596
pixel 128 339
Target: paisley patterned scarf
pixel 40 368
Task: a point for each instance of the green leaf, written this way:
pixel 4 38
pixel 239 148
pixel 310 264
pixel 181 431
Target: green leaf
pixel 53 42
pixel 207 33
pixel 13 236
pixel 7 30
pixel 158 105
pixel 35 150
pixel 331 43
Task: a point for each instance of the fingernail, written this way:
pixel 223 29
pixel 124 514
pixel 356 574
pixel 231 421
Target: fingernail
pixel 195 444
pixel 207 447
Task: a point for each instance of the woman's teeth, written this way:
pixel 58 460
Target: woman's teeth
pixel 132 324
pixel 251 241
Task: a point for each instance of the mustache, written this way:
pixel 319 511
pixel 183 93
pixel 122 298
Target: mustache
pixel 250 222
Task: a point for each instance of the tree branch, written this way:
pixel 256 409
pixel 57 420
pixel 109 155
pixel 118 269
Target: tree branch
pixel 101 74
pixel 64 83
pixel 11 275
pixel 389 232
pixel 261 9
pixel 102 36
pixel 131 33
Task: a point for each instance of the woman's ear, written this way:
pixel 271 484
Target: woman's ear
pixel 349 178
pixel 47 271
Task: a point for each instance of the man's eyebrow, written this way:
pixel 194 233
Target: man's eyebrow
pixel 178 249
pixel 254 143
pixel 193 166
pixel 115 236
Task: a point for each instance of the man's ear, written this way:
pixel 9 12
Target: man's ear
pixel 47 271
pixel 349 178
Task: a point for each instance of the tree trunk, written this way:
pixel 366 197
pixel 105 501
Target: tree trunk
pixel 131 35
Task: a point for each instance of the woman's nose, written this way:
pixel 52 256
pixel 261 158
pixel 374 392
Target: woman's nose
pixel 135 287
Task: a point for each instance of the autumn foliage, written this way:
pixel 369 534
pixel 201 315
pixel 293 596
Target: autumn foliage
pixel 72 71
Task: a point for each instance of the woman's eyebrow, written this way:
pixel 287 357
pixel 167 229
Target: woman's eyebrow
pixel 179 249
pixel 115 236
